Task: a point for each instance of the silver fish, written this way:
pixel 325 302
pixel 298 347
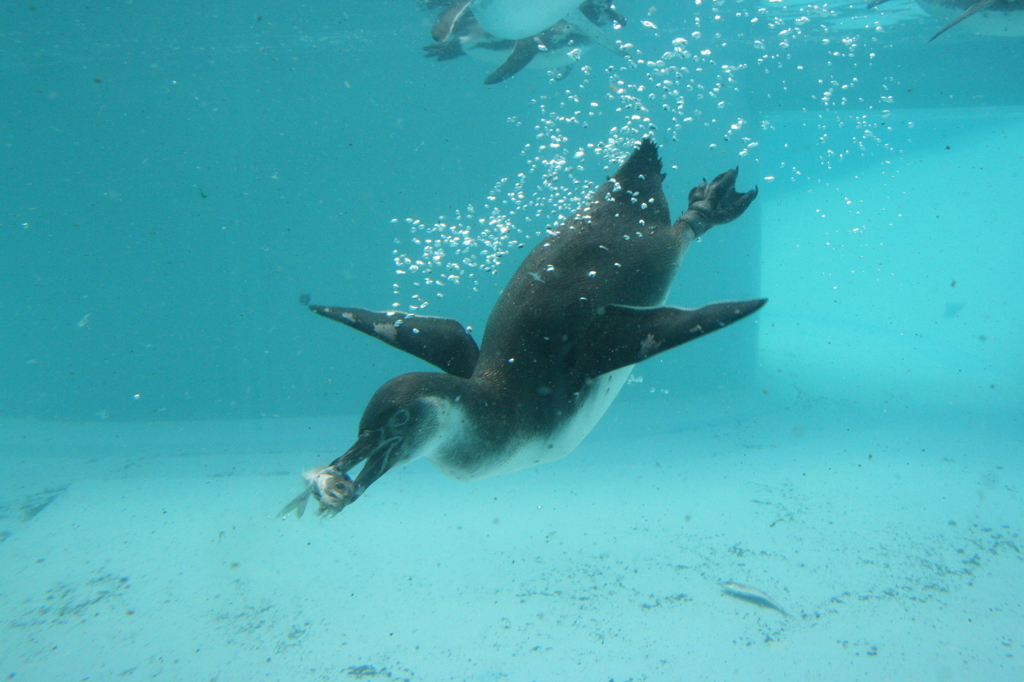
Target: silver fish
pixel 752 595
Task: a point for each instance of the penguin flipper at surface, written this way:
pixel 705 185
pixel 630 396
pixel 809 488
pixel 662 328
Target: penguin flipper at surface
pixel 522 54
pixel 979 6
pixel 441 341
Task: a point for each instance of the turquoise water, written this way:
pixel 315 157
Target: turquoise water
pixel 175 178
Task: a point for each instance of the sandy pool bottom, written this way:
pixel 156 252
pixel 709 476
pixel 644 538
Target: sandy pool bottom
pixel 153 552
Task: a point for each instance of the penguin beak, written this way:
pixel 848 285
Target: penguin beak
pixel 332 486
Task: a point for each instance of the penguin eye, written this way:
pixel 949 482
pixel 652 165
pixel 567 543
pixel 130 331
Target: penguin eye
pixel 399 418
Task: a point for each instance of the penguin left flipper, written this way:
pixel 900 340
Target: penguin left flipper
pixel 622 335
pixel 522 54
pixel 441 341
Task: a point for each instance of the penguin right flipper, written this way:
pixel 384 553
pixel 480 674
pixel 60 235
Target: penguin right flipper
pixel 622 335
pixel 441 341
pixel 522 54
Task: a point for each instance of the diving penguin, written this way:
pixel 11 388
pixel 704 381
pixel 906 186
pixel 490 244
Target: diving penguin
pixel 584 307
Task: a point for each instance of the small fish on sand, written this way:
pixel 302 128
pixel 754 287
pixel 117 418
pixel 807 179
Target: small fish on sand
pixel 752 595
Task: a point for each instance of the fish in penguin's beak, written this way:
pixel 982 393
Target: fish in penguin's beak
pixel 333 487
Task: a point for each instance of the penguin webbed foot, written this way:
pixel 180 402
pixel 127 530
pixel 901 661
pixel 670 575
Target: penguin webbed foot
pixel 443 52
pixel 717 202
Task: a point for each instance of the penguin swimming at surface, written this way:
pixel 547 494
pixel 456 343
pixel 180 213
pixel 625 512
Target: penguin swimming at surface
pixel 584 307
pixel 999 17
pixel 555 43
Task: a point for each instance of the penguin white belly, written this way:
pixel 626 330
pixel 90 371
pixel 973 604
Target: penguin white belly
pixel 515 19
pixel 530 452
